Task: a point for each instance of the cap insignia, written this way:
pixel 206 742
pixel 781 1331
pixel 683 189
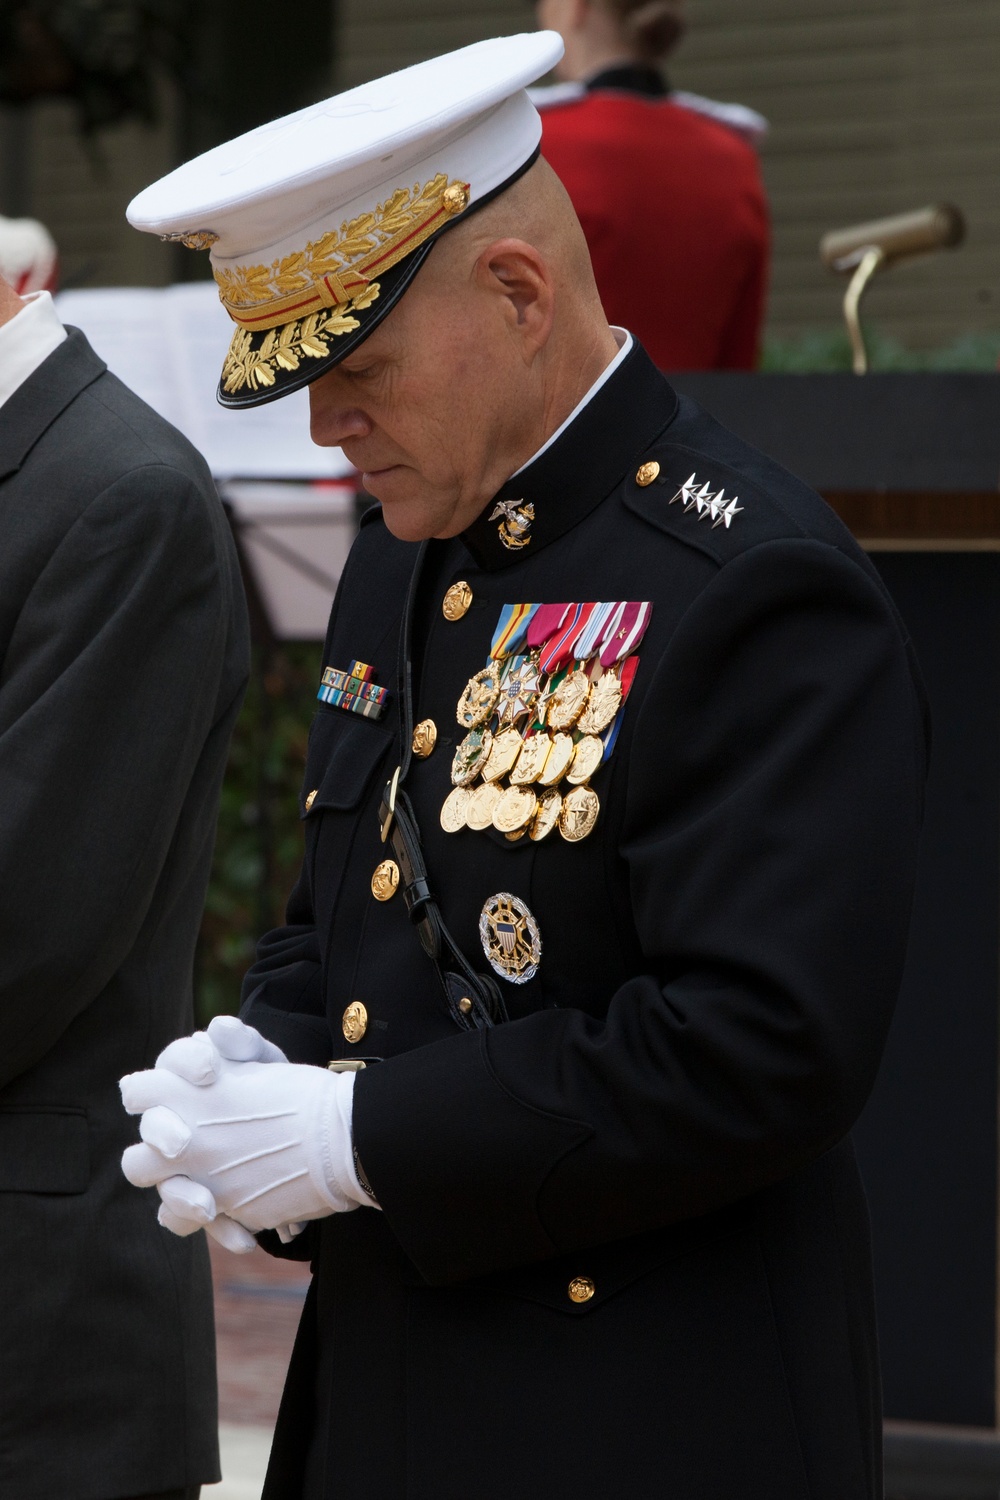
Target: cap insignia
pixel 194 239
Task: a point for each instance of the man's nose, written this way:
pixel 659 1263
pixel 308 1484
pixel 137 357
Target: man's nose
pixel 332 422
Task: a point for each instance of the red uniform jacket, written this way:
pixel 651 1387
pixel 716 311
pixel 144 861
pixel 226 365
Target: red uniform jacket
pixel 673 208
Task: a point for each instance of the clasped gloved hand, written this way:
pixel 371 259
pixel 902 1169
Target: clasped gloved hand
pixel 238 1140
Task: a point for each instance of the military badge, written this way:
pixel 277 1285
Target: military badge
pixel 455 808
pixel 480 695
pixel 547 708
pixel 515 522
pixel 479 813
pixel 353 690
pixel 547 816
pixel 515 809
pixel 714 507
pixel 470 757
pixel 510 938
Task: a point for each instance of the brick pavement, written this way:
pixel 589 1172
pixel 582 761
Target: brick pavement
pixel 257 1304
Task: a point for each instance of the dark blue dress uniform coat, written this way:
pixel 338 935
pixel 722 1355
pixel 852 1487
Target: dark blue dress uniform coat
pixel 667 1110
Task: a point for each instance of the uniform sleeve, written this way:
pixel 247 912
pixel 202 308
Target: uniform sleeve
pixel 768 843
pixel 283 991
pixel 109 691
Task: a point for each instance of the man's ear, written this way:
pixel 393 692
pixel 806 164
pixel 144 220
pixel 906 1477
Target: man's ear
pixel 517 273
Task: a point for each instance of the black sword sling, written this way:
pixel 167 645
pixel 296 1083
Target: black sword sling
pixel 473 1000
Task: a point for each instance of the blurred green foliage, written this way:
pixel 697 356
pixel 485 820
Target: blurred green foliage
pixel 828 350
pixel 259 842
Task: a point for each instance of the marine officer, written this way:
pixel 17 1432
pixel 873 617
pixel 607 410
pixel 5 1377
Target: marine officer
pixel 611 810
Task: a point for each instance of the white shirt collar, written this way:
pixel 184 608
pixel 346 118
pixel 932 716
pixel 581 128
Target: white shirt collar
pixel 625 341
pixel 27 340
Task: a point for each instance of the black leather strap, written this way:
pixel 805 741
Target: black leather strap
pixel 473 1000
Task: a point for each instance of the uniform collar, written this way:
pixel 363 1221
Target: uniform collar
pixel 630 78
pixel 574 472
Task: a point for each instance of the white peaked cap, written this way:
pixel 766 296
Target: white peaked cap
pixel 318 222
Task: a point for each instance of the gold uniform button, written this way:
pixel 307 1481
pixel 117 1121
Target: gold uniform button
pixel 456 601
pixel 425 737
pixel 646 473
pixel 385 880
pixel 311 798
pixel 355 1022
pixel 465 1005
pixel 581 1289
pixel 455 198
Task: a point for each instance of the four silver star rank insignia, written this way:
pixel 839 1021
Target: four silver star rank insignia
pixel 699 497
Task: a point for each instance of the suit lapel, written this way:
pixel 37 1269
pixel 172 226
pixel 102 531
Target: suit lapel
pixel 46 393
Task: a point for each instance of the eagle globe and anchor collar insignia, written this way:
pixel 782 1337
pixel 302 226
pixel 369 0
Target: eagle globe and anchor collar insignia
pixel 515 522
pixel 510 937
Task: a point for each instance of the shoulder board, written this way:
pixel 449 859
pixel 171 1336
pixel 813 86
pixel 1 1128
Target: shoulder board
pixel 556 93
pixel 739 117
pixel 711 491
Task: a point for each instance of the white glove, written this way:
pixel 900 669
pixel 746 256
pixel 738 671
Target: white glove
pixel 264 1144
pixel 197 1058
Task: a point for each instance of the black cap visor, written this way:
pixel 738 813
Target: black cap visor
pixel 264 365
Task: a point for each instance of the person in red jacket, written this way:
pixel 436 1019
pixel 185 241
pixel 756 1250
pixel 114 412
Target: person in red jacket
pixel 666 185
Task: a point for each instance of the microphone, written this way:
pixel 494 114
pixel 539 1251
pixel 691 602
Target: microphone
pixel 864 248
pixel 936 227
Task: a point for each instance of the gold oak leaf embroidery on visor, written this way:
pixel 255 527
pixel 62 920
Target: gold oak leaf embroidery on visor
pixel 332 272
pixel 285 348
pixel 337 251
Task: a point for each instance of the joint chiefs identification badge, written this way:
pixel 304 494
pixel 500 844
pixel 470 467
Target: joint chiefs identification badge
pixel 510 938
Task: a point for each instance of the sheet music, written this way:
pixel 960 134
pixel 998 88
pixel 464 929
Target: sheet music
pixel 168 344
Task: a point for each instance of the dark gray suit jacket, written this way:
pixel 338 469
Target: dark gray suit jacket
pixel 123 661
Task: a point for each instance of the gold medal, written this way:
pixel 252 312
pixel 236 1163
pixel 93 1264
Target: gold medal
pixel 518 833
pixel 515 809
pixel 506 749
pixel 483 800
pixel 586 758
pixel 470 757
pixel 455 807
pixel 567 702
pixel 578 813
pixel 558 760
pixel 547 816
pixel 602 705
pixel 531 762
pixel 479 698
pixel 510 938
